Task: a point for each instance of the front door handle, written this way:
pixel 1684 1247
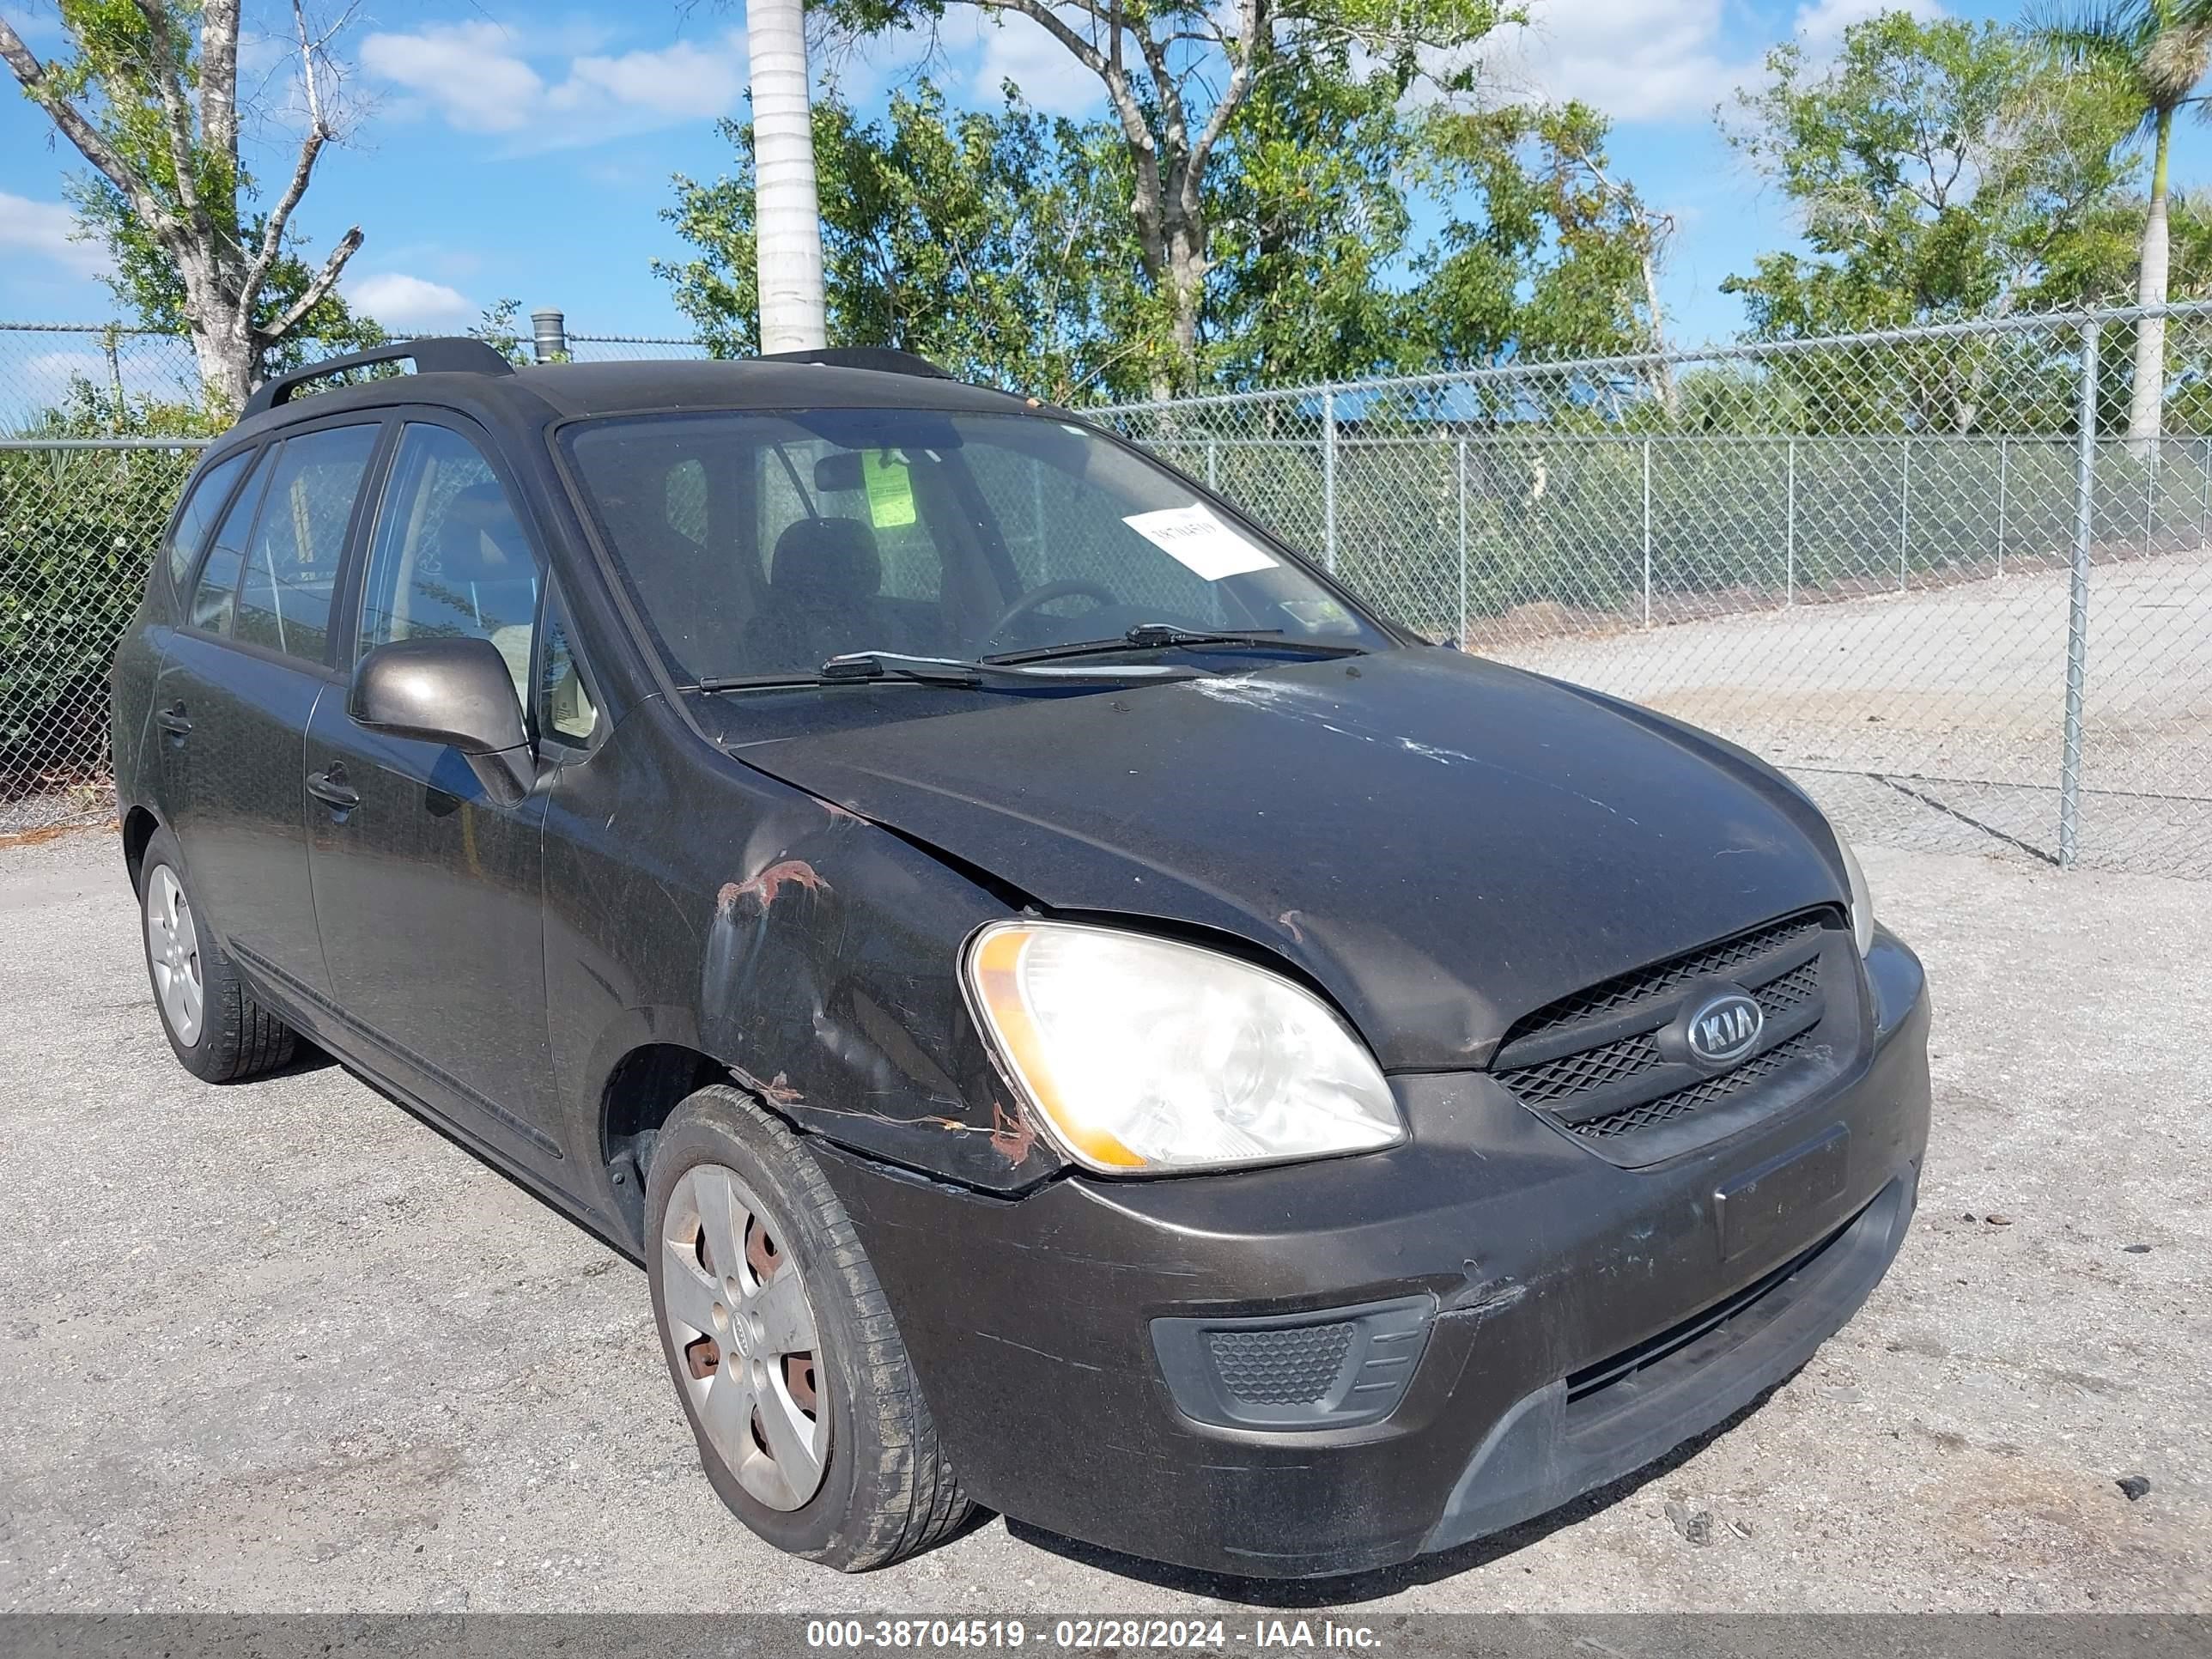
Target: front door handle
pixel 171 720
pixel 332 788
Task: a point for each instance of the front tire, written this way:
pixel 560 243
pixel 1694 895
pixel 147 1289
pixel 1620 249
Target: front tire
pixel 218 1032
pixel 782 1348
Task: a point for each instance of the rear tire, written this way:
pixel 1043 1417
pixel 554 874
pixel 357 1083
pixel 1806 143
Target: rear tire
pixel 219 1033
pixel 820 1442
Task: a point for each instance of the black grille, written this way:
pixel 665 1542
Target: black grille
pixel 1570 1075
pixel 1285 1366
pixel 1800 986
pixel 1651 1113
pixel 1627 991
pixel 1624 1082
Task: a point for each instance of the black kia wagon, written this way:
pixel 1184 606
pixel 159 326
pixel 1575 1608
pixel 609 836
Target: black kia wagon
pixel 1075 1012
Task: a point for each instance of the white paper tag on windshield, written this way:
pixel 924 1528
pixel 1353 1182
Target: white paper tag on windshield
pixel 1194 537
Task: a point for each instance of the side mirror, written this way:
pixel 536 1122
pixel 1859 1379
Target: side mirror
pixel 453 691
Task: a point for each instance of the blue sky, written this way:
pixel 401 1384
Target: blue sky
pixel 505 149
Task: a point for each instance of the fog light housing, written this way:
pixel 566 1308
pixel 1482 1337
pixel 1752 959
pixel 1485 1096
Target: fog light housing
pixel 1330 1368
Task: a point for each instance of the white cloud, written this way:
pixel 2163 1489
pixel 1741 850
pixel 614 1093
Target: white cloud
pixel 476 78
pixel 1636 60
pixel 682 82
pixel 465 71
pixel 43 229
pixel 1821 23
pixel 1018 49
pixel 393 297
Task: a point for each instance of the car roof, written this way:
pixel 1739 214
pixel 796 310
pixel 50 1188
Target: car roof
pixel 536 394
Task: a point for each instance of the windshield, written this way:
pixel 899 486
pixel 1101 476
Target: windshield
pixel 762 544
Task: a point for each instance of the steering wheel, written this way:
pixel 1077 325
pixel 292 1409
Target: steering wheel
pixel 1038 596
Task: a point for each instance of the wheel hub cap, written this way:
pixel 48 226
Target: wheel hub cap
pixel 172 951
pixel 735 1310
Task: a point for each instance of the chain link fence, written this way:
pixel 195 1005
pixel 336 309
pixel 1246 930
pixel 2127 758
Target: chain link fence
pixel 1904 566
pixel 1928 573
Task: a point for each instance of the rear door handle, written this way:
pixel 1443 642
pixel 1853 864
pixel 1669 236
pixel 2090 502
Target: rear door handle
pixel 171 721
pixel 331 787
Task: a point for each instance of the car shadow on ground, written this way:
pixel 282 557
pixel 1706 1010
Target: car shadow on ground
pixel 1352 1588
pixel 305 1059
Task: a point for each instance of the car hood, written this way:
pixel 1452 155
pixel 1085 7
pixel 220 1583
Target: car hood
pixel 1441 843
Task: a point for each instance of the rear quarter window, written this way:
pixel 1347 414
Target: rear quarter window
pixel 196 517
pixel 211 602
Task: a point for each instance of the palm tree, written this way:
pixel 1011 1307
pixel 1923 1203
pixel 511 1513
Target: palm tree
pixel 2159 50
pixel 788 212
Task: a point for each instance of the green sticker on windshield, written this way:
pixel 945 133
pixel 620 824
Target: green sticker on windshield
pixel 890 489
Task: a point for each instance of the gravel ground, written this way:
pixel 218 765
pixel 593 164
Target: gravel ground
pixel 282 1347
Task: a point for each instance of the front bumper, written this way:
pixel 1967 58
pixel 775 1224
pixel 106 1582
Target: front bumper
pixel 1588 1317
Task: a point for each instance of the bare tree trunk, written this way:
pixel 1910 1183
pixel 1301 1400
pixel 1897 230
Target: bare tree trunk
pixel 1662 372
pixel 222 276
pixel 2147 399
pixel 1186 266
pixel 793 311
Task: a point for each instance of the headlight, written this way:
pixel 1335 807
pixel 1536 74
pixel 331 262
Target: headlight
pixel 1862 901
pixel 1144 1055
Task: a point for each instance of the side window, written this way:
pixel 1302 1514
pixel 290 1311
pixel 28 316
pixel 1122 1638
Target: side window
pixel 211 595
pixel 292 568
pixel 449 558
pixel 566 712
pixel 683 499
pixel 197 517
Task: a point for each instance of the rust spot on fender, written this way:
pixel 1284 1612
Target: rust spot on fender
pixel 777 1092
pixel 1012 1134
pixel 763 888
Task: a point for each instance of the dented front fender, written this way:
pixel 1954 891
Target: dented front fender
pixel 811 953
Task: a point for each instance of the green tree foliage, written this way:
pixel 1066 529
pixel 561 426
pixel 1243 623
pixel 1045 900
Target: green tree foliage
pixel 1175 75
pixel 1942 170
pixel 986 240
pixel 2157 52
pixel 1310 205
pixel 999 242
pixel 1545 255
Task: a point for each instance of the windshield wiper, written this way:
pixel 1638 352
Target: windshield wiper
pixel 1158 637
pixel 874 667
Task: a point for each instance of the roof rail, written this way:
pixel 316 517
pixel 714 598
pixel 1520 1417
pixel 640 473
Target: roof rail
pixel 883 359
pixel 438 355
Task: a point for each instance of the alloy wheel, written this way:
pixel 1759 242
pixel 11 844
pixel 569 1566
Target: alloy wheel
pixel 737 1315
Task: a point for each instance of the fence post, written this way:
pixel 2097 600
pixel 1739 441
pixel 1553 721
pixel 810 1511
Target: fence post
pixel 2150 497
pixel 1790 527
pixel 548 336
pixel 1328 480
pixel 2077 605
pixel 1647 532
pixel 1461 630
pixel 2004 456
pixel 1904 508
pixel 1213 465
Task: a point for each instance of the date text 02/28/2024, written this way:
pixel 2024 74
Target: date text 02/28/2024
pixel 1213 1635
